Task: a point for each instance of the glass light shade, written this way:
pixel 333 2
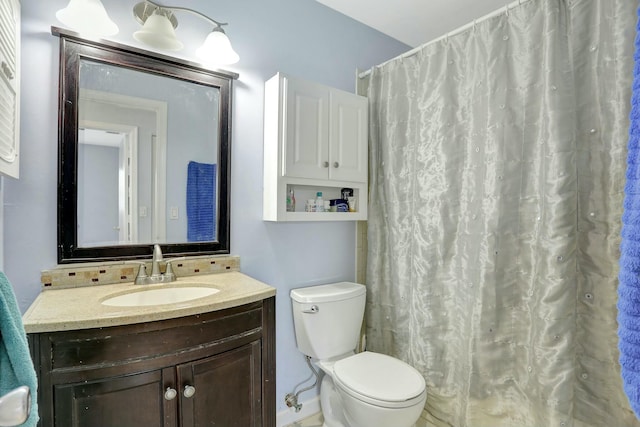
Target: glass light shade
pixel 87 17
pixel 158 32
pixel 217 49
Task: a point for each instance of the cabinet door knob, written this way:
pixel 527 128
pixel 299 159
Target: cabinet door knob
pixel 189 391
pixel 170 394
pixel 325 164
pixel 336 165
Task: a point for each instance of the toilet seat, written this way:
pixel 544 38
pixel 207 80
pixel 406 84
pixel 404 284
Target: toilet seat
pixel 380 380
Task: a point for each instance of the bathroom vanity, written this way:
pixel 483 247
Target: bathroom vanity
pixel 194 352
pixel 208 361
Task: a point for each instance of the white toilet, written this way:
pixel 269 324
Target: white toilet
pixel 358 390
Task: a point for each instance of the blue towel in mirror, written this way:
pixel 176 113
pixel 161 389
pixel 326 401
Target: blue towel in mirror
pixel 16 366
pixel 201 202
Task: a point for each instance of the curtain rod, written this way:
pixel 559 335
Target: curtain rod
pixel 458 30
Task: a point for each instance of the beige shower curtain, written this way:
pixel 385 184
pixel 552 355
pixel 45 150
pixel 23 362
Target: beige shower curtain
pixel 497 174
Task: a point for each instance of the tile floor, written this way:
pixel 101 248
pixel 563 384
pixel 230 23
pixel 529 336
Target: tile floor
pixel 312 421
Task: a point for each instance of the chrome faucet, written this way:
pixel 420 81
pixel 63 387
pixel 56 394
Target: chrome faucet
pixel 156 276
pixel 155 262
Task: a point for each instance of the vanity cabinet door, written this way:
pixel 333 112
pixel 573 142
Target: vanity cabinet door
pixel 127 401
pixel 226 389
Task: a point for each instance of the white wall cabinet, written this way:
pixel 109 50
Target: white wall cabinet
pixel 9 87
pixel 315 139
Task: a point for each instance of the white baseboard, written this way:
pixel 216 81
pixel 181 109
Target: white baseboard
pixel 290 416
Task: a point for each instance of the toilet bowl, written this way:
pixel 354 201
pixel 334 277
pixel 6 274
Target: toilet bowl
pixel 358 390
pixel 375 390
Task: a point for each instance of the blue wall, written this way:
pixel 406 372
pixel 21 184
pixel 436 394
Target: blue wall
pixel 298 37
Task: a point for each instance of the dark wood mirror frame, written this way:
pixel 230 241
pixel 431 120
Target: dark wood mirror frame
pixel 73 48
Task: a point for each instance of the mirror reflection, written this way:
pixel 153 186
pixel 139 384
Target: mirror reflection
pixel 144 153
pixel 147 158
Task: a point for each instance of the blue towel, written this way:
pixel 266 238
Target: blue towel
pixel 201 202
pixel 16 366
pixel 629 277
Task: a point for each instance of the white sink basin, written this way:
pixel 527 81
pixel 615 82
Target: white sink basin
pixel 158 296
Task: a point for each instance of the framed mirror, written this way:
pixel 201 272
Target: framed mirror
pixel 144 153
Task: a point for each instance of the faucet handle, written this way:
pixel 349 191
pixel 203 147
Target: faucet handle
pixel 169 271
pixel 142 271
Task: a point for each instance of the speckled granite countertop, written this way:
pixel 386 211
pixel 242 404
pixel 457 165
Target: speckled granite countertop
pixel 82 308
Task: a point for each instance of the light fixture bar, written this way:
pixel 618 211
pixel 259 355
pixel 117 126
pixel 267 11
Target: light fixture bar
pixel 141 11
pixel 157 31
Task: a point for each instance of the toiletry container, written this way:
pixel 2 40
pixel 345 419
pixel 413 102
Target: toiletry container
pixel 319 202
pixel 291 201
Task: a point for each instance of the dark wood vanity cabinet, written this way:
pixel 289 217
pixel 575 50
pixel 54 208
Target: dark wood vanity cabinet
pixel 212 369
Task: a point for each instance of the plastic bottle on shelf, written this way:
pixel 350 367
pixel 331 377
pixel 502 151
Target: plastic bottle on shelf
pixel 319 202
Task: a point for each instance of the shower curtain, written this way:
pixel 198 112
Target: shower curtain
pixel 497 174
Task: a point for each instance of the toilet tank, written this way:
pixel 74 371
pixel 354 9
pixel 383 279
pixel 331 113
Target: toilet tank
pixel 328 318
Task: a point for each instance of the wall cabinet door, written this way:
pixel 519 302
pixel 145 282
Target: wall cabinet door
pixel 348 137
pixel 306 135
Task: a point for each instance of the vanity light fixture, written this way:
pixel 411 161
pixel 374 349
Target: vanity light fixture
pixel 87 17
pixel 217 47
pixel 159 23
pixel 158 30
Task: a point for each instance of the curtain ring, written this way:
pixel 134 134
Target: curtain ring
pixel 474 24
pixel 506 10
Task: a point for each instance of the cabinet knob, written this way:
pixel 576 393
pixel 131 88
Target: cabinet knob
pixel 189 391
pixel 336 165
pixel 170 394
pixel 325 164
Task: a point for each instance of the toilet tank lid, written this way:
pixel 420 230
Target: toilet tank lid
pixel 330 292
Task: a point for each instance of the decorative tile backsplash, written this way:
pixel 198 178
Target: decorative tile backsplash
pixel 74 275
